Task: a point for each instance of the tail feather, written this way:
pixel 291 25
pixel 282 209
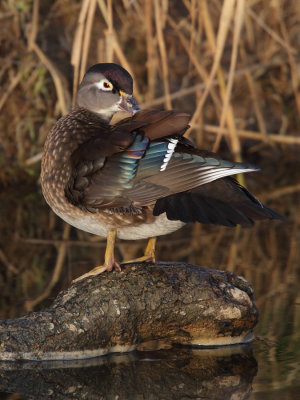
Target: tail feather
pixel 223 202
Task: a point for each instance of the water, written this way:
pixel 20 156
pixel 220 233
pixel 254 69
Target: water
pixel 267 255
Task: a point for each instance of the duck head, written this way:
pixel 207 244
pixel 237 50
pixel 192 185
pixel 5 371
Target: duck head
pixel 106 89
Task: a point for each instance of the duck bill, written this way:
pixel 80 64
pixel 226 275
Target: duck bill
pixel 128 103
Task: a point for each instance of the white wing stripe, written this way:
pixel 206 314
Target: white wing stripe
pixel 213 174
pixel 171 147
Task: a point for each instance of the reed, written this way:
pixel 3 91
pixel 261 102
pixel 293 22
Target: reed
pixel 176 45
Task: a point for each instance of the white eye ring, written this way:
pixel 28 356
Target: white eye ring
pixel 105 85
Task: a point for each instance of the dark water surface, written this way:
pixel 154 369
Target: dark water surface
pixel 268 255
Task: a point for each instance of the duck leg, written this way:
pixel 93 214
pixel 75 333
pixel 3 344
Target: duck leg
pixel 109 258
pixel 149 253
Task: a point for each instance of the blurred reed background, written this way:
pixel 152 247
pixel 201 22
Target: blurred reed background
pixel 232 64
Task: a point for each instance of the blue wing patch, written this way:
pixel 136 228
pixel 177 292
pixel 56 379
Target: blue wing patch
pixel 156 158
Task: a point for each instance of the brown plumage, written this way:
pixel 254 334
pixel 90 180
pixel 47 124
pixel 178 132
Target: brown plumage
pixel 140 177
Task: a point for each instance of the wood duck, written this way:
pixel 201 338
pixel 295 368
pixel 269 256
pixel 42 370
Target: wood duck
pixel 138 178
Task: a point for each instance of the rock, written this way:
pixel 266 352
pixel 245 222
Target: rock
pixel 119 311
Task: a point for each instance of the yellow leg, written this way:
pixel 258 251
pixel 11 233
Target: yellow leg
pixel 150 249
pixel 149 253
pixel 109 258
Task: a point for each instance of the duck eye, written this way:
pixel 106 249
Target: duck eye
pixel 105 85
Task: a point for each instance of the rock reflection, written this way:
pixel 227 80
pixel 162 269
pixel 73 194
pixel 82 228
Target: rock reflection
pixel 178 373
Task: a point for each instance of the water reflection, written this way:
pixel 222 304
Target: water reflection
pixel 168 374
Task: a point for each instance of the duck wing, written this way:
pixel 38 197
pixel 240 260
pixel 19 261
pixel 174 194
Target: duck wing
pixel 209 194
pixel 156 166
pixel 106 164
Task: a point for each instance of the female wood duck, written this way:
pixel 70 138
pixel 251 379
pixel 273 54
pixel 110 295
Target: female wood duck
pixel 138 178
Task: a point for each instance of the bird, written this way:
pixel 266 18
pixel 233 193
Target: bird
pixel 137 178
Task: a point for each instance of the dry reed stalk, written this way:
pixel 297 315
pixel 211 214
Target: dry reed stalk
pixel 233 250
pixel 159 16
pixel 196 233
pixel 270 31
pixel 63 95
pixel 31 37
pixel 289 140
pixel 100 50
pixel 193 14
pixel 274 250
pixel 249 32
pixel 228 115
pixel 76 243
pixel 151 52
pixel 138 6
pixel 6 14
pixel 200 23
pixel 56 76
pixel 33 160
pixel 255 101
pixel 109 33
pixel 9 266
pixel 77 46
pixel 32 77
pixel 199 68
pixel 214 245
pixel 112 44
pixel 87 36
pixel 200 86
pixel 283 191
pixel 293 64
pixel 125 63
pixel 3 70
pixel 13 84
pixel 217 46
pixel 238 22
pixel 103 9
pixel 20 154
pixel 62 251
pixel 164 12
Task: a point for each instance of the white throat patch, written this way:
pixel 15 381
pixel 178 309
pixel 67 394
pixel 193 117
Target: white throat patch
pixel 107 113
